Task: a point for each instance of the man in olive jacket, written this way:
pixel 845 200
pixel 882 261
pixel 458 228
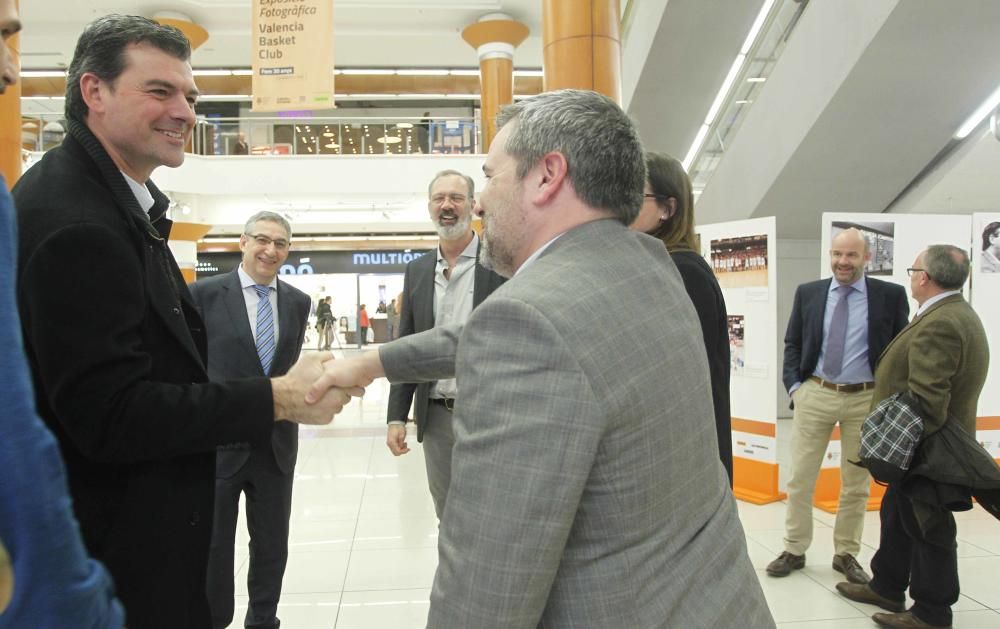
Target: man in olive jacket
pixel 941 358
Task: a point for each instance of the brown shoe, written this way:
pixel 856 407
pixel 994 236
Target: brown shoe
pixel 785 563
pixel 904 620
pixel 864 594
pixel 846 564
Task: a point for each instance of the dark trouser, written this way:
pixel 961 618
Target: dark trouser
pixel 269 505
pixel 364 336
pixel 926 561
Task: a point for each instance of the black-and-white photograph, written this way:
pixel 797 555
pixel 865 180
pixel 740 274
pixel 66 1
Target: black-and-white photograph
pixel 880 238
pixel 989 259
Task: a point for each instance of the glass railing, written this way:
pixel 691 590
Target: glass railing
pixel 299 136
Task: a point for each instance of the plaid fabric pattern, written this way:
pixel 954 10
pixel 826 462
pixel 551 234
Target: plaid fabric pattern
pixel 889 437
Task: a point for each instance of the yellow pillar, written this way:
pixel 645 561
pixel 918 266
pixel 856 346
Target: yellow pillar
pixel 10 123
pixel 582 46
pixel 495 36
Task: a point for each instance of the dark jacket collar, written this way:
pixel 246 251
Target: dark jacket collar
pixel 79 137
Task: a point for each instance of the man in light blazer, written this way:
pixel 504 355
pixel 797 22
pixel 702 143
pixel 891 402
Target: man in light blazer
pixel 941 358
pixel 255 325
pixel 829 376
pixel 439 288
pixel 586 489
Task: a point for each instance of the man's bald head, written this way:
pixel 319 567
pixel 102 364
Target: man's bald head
pixel 850 237
pixel 849 252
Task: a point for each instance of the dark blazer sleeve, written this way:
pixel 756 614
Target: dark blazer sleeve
pixel 791 369
pixel 401 395
pixel 900 310
pixel 93 335
pixel 889 316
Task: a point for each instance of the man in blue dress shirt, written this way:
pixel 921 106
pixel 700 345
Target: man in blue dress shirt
pixel 837 330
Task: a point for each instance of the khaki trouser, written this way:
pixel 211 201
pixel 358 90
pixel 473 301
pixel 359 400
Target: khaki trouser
pixel 817 411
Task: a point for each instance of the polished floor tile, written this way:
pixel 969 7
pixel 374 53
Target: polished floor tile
pixel 363 542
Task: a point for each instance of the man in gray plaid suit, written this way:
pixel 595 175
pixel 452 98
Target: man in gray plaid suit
pixel 586 488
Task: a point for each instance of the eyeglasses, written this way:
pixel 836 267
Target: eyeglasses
pixel 911 270
pixel 280 244
pixel 456 199
pixel 658 197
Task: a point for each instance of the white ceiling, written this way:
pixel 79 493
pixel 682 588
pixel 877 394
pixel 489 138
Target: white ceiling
pixel 394 33
pixel 863 136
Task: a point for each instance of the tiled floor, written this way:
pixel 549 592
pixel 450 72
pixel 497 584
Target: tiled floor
pixel 363 542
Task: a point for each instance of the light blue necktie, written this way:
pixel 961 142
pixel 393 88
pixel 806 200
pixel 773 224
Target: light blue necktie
pixel 833 362
pixel 265 328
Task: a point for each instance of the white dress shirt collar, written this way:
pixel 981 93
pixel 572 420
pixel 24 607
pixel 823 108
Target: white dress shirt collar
pixel 246 281
pixel 933 300
pixel 141 192
pixel 536 254
pixel 468 252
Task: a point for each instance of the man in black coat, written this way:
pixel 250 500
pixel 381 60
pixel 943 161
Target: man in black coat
pixel 250 338
pixel 439 288
pixel 114 342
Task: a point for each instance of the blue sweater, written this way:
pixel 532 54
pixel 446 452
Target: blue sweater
pixel 55 583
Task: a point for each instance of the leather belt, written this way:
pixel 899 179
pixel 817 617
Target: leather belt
pixel 842 388
pixel 447 402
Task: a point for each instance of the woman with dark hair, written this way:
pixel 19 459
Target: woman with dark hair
pixel 668 214
pixel 990 261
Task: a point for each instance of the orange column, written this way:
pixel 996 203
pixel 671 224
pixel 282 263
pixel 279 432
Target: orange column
pixel 183 243
pixel 582 46
pixel 495 36
pixel 10 124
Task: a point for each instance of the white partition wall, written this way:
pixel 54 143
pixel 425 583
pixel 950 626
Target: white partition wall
pixel 742 254
pixel 986 301
pixel 895 240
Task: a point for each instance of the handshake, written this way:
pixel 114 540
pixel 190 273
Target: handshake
pixel 318 387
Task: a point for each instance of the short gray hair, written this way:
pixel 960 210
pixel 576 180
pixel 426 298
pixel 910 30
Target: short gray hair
pixel 267 215
pixel 453 173
pixel 947 266
pixel 603 153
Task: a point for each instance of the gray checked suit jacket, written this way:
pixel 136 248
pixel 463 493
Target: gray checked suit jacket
pixel 586 488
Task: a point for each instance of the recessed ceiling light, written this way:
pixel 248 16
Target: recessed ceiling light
pixel 41 74
pixel 389 140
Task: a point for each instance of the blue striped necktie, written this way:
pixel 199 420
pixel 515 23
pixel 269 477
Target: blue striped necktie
pixel 265 328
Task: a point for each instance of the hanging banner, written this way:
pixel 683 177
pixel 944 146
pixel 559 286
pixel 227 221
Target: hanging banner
pixel 292 54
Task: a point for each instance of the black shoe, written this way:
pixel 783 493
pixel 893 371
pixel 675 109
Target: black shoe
pixel 785 563
pixel 846 564
pixel 865 594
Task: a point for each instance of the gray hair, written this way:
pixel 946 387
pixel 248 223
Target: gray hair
pixel 947 266
pixel 449 173
pixel 101 51
pixel 266 215
pixel 604 156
